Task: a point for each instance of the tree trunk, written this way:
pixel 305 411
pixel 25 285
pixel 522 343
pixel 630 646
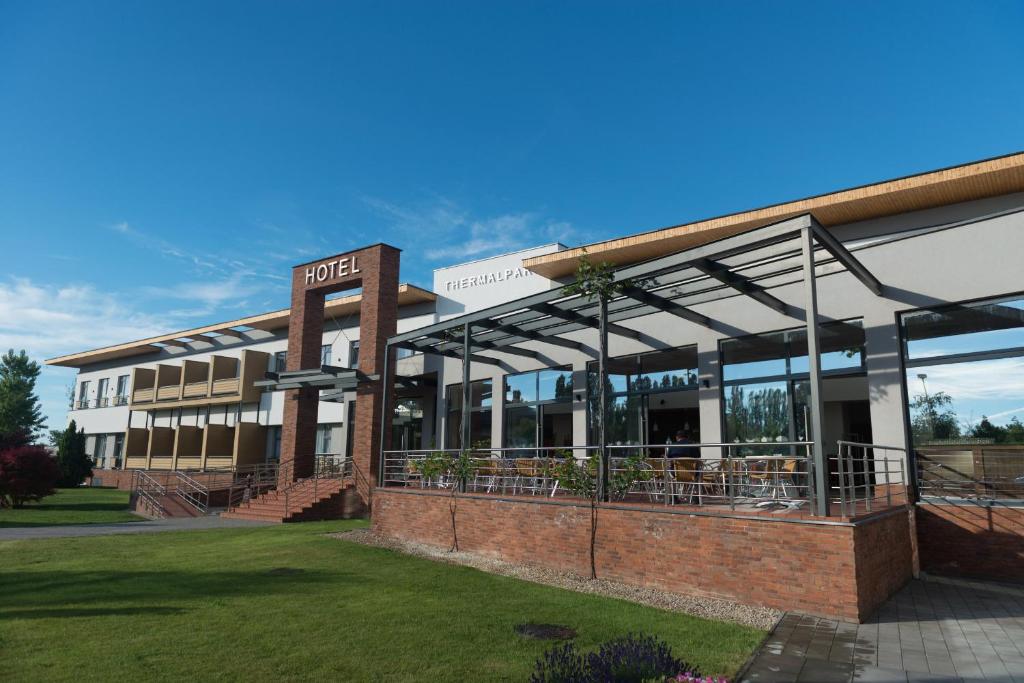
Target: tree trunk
pixel 452 503
pixel 593 538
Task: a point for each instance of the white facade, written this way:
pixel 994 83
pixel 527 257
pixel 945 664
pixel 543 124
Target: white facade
pixel 955 253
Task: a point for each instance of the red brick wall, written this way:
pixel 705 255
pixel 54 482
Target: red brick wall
pixel 810 567
pixel 884 557
pixel 971 541
pixel 377 275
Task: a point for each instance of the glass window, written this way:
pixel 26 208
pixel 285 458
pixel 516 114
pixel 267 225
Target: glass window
pixel 669 370
pixel 324 436
pixel 325 354
pixel 353 354
pixel 535 410
pixel 964 328
pixel 280 361
pixel 480 400
pixel 965 373
pixel 764 386
pixel 555 385
pixel 83 395
pixel 122 389
pixel 521 388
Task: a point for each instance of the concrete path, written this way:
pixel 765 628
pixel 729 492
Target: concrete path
pixel 934 630
pixel 144 527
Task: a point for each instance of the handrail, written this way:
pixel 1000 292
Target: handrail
pixel 192 492
pixel 144 485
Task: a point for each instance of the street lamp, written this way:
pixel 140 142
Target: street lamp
pixel 927 404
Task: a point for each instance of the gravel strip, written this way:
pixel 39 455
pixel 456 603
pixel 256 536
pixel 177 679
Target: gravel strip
pixel 710 608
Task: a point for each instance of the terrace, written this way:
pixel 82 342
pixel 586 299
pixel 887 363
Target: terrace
pixel 800 474
pixel 840 499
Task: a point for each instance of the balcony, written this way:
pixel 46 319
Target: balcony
pixel 221 379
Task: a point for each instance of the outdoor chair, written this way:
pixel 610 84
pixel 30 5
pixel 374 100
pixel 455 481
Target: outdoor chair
pixel 657 484
pixel 686 478
pixel 529 475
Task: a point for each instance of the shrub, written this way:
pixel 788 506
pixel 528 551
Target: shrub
pixel 75 465
pixel 27 473
pixel 634 658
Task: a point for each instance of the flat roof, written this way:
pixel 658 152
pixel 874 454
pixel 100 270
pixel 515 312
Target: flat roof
pixel 966 182
pixel 407 295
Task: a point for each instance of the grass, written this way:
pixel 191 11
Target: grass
pixel 208 605
pixel 72 506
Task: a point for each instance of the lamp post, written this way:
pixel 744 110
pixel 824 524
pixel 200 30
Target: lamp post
pixel 927 404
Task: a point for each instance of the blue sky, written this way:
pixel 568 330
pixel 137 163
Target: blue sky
pixel 163 164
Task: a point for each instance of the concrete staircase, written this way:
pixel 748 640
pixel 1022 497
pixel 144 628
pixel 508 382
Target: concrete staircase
pixel 306 500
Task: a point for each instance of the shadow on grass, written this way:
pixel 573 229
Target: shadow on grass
pixel 87 612
pixel 49 590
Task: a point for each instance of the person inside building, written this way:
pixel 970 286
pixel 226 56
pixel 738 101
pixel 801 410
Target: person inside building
pixel 682 446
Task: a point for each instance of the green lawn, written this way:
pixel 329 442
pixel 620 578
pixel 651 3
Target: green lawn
pixel 72 506
pixel 208 605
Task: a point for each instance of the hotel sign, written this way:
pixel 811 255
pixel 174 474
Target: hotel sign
pixel 346 266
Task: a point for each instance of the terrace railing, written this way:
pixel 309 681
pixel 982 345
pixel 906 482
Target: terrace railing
pixel 768 475
pixel 868 476
pixel 985 472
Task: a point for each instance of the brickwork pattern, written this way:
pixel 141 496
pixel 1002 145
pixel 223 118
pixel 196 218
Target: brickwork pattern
pixel 825 569
pixel 972 541
pixel 378 268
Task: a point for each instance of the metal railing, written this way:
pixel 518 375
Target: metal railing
pixel 192 492
pixel 868 476
pixel 151 490
pixel 985 472
pixel 778 475
pixel 325 467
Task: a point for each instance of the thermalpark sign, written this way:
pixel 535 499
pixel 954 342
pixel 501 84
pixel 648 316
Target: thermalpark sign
pixel 346 266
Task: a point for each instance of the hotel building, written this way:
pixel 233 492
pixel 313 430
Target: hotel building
pixel 848 369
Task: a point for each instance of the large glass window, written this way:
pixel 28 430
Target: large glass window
pixel 324 439
pixel 765 391
pixel 480 403
pixel 651 397
pixel 325 354
pixel 122 390
pixel 965 397
pixel 965 372
pixel 538 409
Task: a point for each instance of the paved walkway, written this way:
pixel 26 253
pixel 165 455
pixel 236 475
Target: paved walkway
pixel 145 527
pixel 933 630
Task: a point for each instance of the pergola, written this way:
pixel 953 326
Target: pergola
pixel 748 264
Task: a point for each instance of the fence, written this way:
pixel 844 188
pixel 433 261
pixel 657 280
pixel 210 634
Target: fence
pixel 782 478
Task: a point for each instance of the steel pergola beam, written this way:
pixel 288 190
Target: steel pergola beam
pixel 529 335
pixel 843 255
pixel 442 352
pixel 484 345
pixel 666 305
pixel 589 321
pixel 720 272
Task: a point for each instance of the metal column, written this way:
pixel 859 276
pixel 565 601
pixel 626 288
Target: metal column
pixel 821 489
pixel 466 424
pixel 604 469
pixel 386 415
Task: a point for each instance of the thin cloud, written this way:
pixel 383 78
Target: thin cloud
pixel 459 235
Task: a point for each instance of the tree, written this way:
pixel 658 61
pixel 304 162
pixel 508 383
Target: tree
pixel 19 405
pixel 27 473
pixel 934 418
pixel 457 468
pixel 580 477
pixel 75 465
